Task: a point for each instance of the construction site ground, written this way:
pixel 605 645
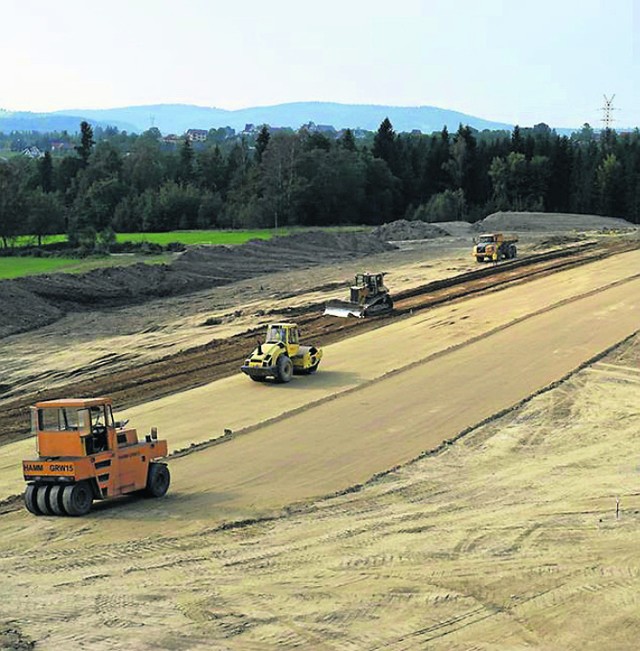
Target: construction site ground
pixel 460 475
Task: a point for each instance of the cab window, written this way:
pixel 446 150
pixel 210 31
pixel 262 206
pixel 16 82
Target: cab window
pixel 59 420
pixel 275 334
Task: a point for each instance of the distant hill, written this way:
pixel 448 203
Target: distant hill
pixel 177 118
pixel 27 121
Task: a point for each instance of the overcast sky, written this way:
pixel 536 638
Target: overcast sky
pixel 517 61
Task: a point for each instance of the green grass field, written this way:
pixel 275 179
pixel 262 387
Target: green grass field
pixel 185 237
pixel 201 237
pixel 194 237
pixel 16 267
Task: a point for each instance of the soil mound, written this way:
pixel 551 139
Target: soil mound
pixel 540 221
pixel 405 230
pixel 35 301
pixel 457 229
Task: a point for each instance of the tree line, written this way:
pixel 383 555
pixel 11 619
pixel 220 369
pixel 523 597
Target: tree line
pixel 129 183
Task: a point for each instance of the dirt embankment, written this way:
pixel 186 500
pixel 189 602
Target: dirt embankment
pixel 32 302
pixel 550 222
pixel 519 222
pixel 408 230
pixel 35 301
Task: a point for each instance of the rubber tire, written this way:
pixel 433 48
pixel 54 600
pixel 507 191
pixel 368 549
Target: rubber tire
pixel 30 495
pixel 77 499
pixel 514 251
pixel 55 500
pixel 284 371
pixel 158 480
pixel 42 499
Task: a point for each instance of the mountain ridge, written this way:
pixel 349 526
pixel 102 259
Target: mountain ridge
pixel 178 117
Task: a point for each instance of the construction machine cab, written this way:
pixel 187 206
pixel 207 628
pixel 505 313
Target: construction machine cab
pixel 366 286
pixel 74 427
pixel 286 333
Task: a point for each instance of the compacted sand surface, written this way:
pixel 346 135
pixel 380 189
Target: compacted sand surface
pixel 460 478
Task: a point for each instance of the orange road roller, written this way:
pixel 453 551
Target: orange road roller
pixel 85 455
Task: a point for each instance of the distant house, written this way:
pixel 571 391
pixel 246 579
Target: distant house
pixel 32 152
pixel 172 139
pixel 197 135
pixel 326 129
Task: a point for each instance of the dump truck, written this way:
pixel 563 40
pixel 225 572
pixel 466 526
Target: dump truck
pixel 85 455
pixel 369 297
pixel 494 247
pixel 281 355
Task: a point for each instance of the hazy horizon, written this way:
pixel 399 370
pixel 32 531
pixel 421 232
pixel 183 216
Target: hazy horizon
pixel 532 62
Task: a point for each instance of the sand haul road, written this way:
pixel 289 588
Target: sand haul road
pixel 342 442
pixel 382 398
pixel 235 403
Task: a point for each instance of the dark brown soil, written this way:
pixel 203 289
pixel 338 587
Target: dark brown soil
pixel 35 301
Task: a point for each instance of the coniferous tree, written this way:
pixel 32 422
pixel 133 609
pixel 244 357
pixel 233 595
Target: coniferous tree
pixel 517 143
pixel 262 142
pixel 185 173
pixel 86 143
pixel 45 169
pixel 384 144
pixel 347 141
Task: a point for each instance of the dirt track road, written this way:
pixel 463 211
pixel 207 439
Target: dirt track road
pixel 434 376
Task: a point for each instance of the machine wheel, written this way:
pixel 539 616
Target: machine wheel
pixel 284 369
pixel 158 480
pixel 514 251
pixel 30 495
pixel 42 499
pixel 55 499
pixel 77 498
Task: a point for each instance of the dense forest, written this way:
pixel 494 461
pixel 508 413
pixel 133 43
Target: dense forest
pixel 111 181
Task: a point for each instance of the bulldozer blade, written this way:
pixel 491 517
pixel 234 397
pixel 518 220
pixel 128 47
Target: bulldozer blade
pixel 344 309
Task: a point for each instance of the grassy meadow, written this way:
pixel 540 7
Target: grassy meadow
pixel 14 267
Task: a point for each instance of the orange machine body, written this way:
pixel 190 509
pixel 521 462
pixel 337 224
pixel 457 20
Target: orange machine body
pixel 78 440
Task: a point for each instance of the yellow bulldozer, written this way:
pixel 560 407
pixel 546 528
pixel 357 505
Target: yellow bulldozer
pixel 281 355
pixel 369 297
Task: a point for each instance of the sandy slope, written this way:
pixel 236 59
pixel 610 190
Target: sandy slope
pixel 505 540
